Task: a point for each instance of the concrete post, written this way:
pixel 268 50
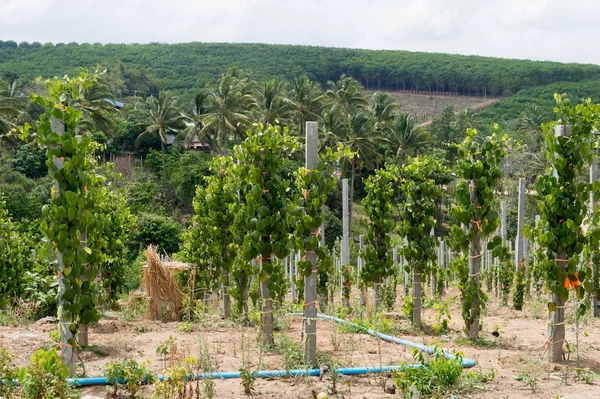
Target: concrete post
pixel 310 281
pixel 503 220
pixel 345 236
pixel 593 203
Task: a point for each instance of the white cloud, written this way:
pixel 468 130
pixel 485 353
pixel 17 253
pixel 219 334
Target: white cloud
pixel 536 29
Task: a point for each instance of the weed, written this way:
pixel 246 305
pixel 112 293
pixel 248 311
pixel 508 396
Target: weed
pixel 291 351
pixel 46 377
pixel 142 328
pixel 8 318
pixel 9 373
pixel 407 307
pixel 133 310
pixel 442 317
pixel 531 371
pixel 130 373
pixel 437 375
pixel 335 340
pixel 248 379
pixel 585 374
pixel 167 350
pixel 54 336
pixel 186 327
pixel 189 309
pixel 177 385
pixel 205 361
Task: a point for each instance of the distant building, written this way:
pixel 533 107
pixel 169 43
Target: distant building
pixel 117 104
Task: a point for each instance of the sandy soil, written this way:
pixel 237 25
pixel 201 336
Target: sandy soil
pixel 517 352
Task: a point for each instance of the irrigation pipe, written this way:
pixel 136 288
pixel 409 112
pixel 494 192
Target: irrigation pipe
pixel 303 372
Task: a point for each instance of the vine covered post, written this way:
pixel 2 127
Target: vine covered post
pixel 265 211
pixel 313 184
pixel 214 241
pixel 478 169
pixel 421 192
pixel 66 336
pixel 521 279
pixel 73 221
pixel 562 204
pixel 474 264
pixel 378 264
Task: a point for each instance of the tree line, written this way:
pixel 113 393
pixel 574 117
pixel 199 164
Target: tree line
pixel 147 68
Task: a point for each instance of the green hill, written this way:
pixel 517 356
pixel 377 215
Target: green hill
pixel 180 67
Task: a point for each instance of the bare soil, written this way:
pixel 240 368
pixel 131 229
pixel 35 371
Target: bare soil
pixel 425 107
pixel 516 352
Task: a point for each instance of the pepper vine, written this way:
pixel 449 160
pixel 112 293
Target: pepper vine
pixel 563 208
pixel 378 246
pixel 421 192
pixel 213 207
pixel 475 209
pixel 266 210
pixel 72 224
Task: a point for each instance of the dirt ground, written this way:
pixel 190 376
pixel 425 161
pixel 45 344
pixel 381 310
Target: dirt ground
pixel 516 355
pixel 424 107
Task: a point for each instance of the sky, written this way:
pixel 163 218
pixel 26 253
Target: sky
pixel 565 31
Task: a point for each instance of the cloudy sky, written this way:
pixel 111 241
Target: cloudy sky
pixel 556 30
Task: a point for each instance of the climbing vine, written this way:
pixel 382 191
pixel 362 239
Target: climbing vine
pixel 563 208
pixel 478 169
pixel 266 211
pixel 380 188
pixel 214 217
pixel 421 192
pixel 115 220
pixel 72 224
pixel 312 188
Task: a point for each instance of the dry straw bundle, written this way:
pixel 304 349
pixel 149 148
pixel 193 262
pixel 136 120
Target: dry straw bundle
pixel 164 296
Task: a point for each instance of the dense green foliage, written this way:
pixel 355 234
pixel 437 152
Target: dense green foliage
pixel 14 254
pixel 479 171
pixel 149 67
pixel 564 207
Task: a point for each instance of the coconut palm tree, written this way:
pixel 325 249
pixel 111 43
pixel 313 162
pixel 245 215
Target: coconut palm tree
pixel 307 100
pixel 230 103
pixel 346 96
pixel 358 136
pixel 332 129
pixel 97 104
pixel 272 102
pixel 403 138
pixel 162 115
pixel 384 108
pixel 529 124
pixel 194 123
pixel 9 107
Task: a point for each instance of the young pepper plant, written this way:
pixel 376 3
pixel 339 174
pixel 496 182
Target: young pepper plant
pixel 380 188
pixel 479 173
pixel 266 207
pixel 563 209
pixel 420 190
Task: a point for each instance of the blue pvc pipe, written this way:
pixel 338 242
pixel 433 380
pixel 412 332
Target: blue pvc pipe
pixel 467 363
pixel 299 373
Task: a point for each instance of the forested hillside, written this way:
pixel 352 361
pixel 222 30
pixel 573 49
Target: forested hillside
pixel 147 68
